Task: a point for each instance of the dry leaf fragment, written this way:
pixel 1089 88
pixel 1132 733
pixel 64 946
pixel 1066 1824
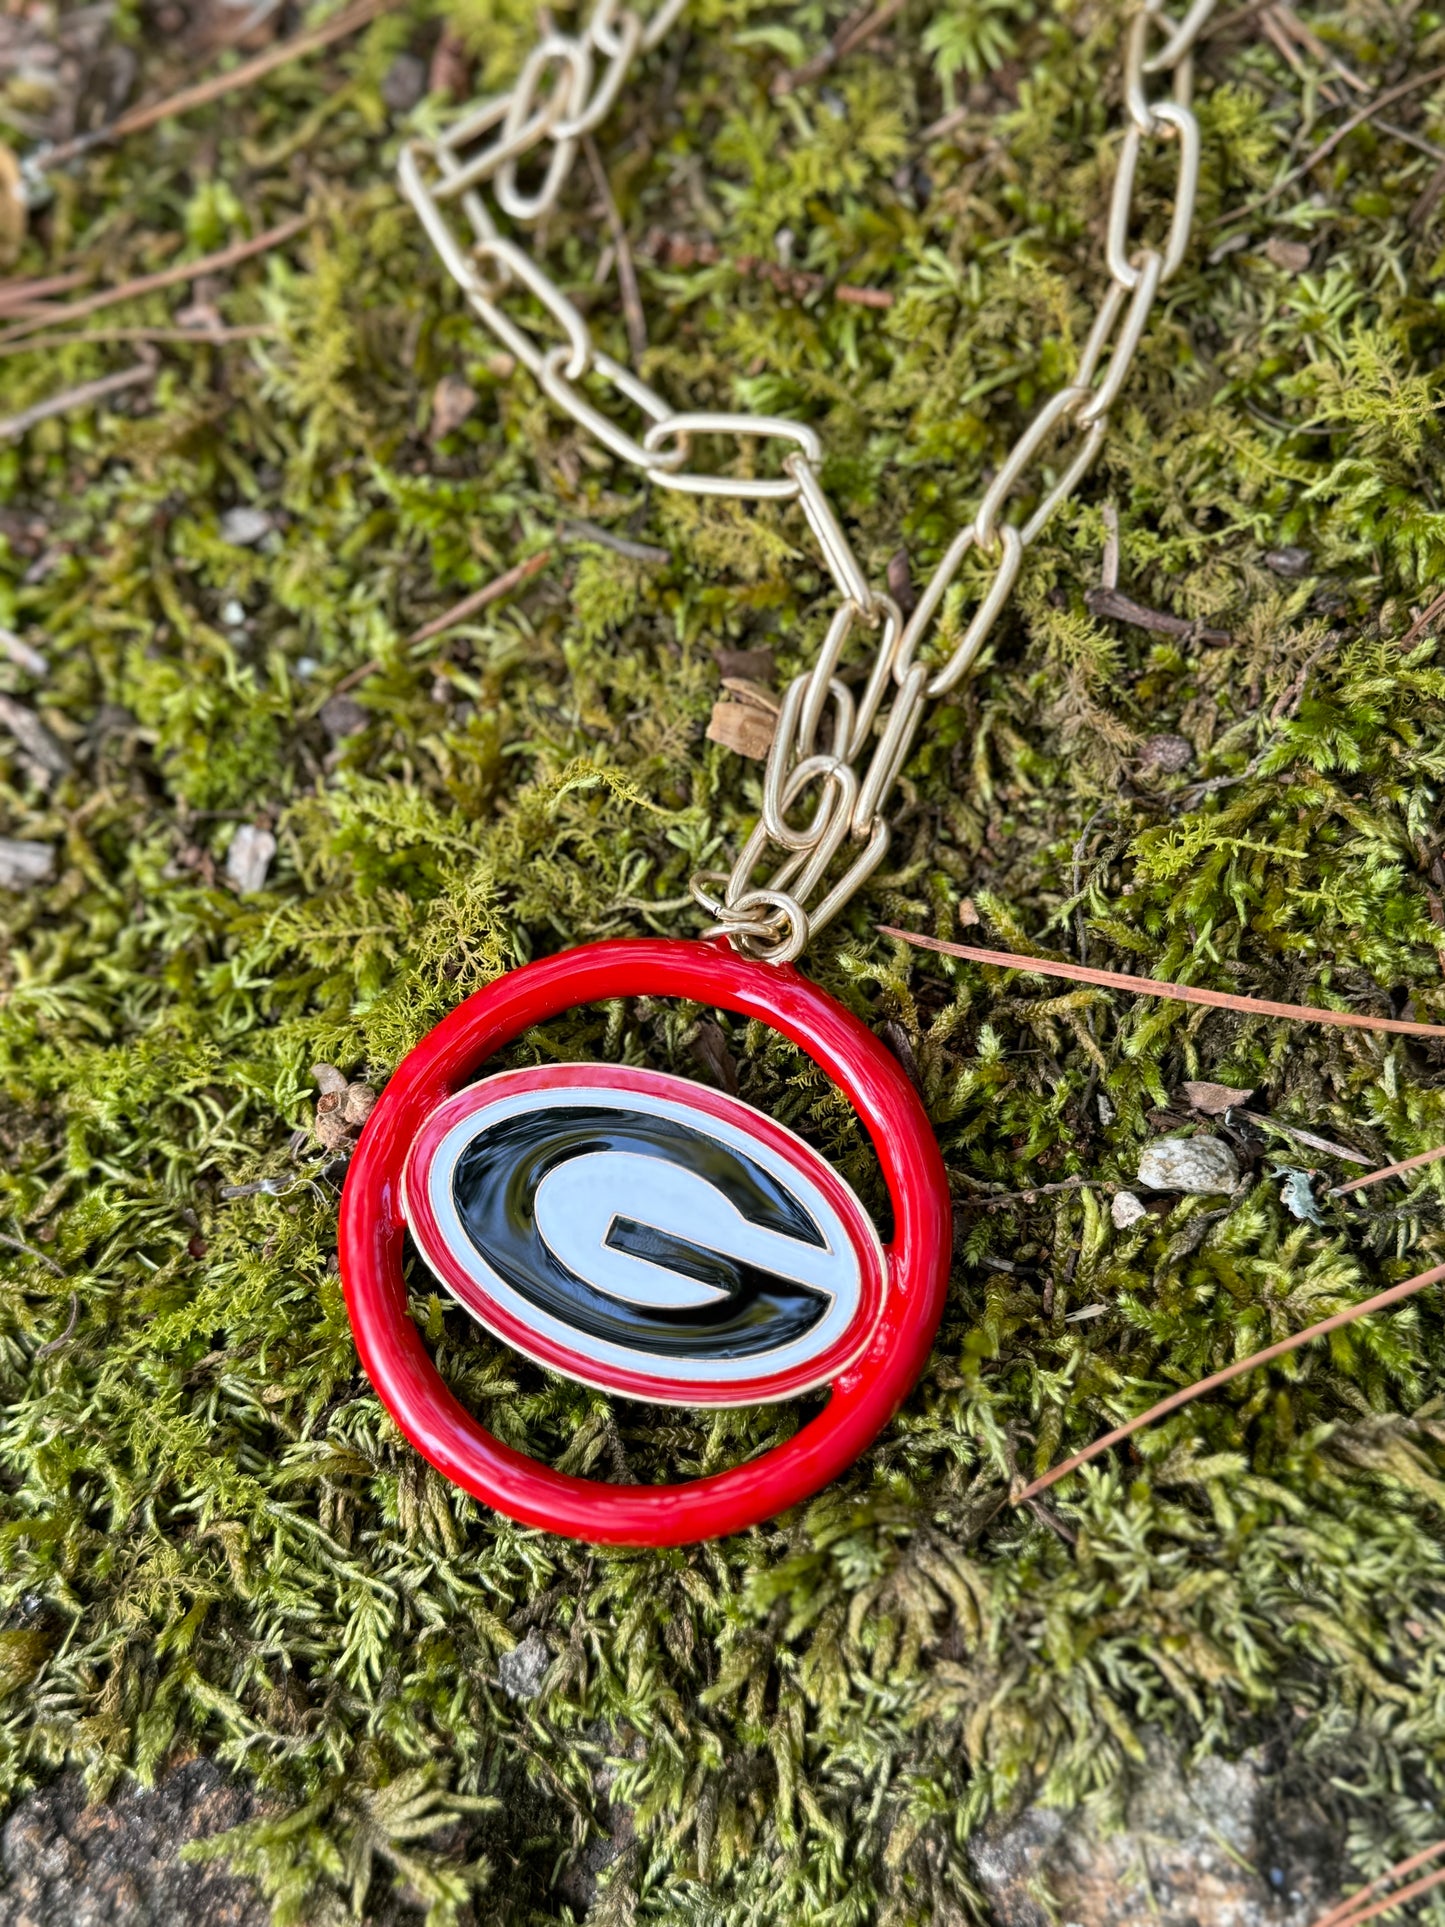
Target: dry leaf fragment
pixel 710 1048
pixel 1214 1099
pixel 749 691
pixel 452 400
pixel 742 727
pixel 758 665
pixel 968 916
pixel 1292 256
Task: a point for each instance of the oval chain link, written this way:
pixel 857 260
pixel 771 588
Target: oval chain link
pixel 823 828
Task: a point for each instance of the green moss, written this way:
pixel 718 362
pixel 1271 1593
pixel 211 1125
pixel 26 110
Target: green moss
pixel 210 1534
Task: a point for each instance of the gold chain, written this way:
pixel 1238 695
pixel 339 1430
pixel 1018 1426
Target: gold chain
pixel 835 757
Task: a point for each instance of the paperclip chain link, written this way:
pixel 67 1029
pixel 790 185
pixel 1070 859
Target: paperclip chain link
pixel 835 757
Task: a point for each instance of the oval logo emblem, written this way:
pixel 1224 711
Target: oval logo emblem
pixel 644 1234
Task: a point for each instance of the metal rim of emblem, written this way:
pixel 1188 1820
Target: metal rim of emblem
pixel 867 1386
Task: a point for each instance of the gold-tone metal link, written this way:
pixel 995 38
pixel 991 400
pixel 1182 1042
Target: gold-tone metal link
pixel 824 732
pixel 828 533
pixel 1121 359
pixel 1181 119
pixel 893 747
pixel 884 657
pixel 1137 104
pixel 984 616
pixel 816 685
pixel 1183 37
pixel 783 785
pixel 1077 469
pixel 1058 408
pixel 709 421
pixel 604 98
pixel 853 878
pixel 568 97
pixel 521 267
pixel 556 385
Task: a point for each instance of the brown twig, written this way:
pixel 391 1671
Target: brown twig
pixel 1153 987
pixel 1391 1901
pixel 19 1244
pixel 1114 606
pixel 854 33
pixel 205 91
pixel 1327 146
pixel 55 1344
pixel 98 337
pixel 1345 1908
pixel 862 297
pixel 1240 1366
pixel 18 293
pixel 14 426
pixel 1389 1171
pixel 1023 1197
pixel 223 258
pixel 648 552
pixel 459 612
pixel 679 251
pixel 1422 622
pixel 632 311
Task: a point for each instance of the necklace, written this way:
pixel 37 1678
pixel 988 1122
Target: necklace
pixel 628 1228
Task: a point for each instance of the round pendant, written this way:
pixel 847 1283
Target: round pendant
pixel 650 1236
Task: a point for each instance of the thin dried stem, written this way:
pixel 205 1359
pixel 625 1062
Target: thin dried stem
pixel 1390 1171
pixel 205 91
pixel 1153 987
pixel 171 277
pixel 1379 1302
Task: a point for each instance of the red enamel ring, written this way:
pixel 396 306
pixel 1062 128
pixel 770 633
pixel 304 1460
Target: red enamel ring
pixel 864 1395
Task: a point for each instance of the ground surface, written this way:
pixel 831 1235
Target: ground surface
pixel 222 867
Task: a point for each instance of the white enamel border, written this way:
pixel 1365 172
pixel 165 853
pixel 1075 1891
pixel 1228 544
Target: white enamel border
pixel 794 1177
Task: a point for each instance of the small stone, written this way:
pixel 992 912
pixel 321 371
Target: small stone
pixel 1290 562
pixel 233 613
pixel 522 1671
pixel 1107 1114
pixel 328 1079
pixel 23 863
pixel 249 859
pixel 1292 256
pixel 405 83
pixel 1126 1210
pixel 243 527
pixel 1198 1166
pixel 343 716
pixel 452 400
pixel 1168 754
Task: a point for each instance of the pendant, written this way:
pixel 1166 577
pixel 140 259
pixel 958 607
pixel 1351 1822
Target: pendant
pixel 646 1235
